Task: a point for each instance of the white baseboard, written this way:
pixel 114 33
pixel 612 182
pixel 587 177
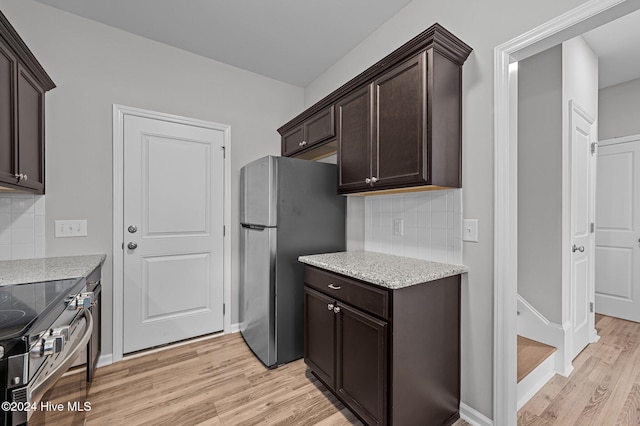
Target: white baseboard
pixel 533 325
pixel 105 359
pixel 234 328
pixel 535 380
pixel 471 415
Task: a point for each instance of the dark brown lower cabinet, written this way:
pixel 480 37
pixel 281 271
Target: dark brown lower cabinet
pixel 391 356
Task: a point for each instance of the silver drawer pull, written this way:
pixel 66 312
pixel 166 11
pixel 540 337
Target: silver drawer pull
pixel 336 310
pixel 330 306
pixel 334 287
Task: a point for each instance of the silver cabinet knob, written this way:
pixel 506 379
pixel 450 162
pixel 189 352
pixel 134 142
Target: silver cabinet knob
pixel 132 246
pixel 575 248
pixel 132 229
pixel 367 180
pixel 336 309
pixel 26 177
pixel 330 306
pixel 374 179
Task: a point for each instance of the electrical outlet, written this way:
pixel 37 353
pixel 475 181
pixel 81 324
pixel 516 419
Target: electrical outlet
pixel 71 228
pixel 398 226
pixel 470 230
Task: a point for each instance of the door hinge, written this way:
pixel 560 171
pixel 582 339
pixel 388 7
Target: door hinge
pixel 591 306
pixel 594 145
pixel 224 152
pixel 593 227
pixel 224 308
pixel 122 246
pixel 224 230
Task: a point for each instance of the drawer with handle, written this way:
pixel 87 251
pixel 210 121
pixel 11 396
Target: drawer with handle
pixel 367 297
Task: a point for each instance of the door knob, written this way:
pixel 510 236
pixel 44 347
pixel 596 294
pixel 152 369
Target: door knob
pixel 575 248
pixel 132 229
pixel 132 246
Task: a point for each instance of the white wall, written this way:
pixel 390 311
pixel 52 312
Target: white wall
pixel 94 67
pixel 22 218
pixel 540 182
pixel 483 25
pixel 619 110
pixel 580 76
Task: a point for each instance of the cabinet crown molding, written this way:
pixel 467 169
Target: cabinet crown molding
pixel 435 37
pixel 11 37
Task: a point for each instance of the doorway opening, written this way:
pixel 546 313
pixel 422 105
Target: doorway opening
pixel 577 21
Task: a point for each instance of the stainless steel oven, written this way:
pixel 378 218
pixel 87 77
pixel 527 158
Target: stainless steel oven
pixel 43 328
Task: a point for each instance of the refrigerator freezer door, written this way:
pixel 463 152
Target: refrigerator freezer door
pixel 257 287
pixel 258 192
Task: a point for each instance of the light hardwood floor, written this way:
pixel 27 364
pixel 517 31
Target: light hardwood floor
pixel 213 382
pixel 603 389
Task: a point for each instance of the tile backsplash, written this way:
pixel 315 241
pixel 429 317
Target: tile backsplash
pixel 430 222
pixel 21 226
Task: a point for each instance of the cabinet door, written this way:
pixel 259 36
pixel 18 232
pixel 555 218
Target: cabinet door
pixel 7 117
pixel 292 140
pixel 30 99
pixel 319 335
pixel 353 117
pixel 361 377
pixel 400 128
pixel 320 127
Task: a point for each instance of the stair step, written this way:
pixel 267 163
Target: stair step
pixel 530 355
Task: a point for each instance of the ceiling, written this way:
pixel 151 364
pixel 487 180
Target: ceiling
pixel 293 41
pixel 617 45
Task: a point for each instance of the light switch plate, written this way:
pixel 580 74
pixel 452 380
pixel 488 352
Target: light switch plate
pixel 470 230
pixel 71 228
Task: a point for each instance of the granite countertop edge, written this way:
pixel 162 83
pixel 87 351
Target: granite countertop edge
pixel 385 270
pixel 48 268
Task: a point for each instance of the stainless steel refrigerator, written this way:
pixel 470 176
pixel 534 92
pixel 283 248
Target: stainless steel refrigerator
pixel 288 208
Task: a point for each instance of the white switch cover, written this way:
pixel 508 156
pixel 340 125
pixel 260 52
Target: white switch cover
pixel 470 230
pixel 398 227
pixel 71 228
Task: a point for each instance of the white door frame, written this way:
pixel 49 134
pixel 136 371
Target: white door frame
pixel 571 24
pixel 119 112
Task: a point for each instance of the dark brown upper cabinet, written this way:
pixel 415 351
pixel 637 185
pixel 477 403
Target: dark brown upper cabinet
pixel 313 131
pixel 353 115
pixel 23 83
pixel 398 124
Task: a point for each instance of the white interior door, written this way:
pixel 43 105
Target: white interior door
pixel 582 134
pixel 173 232
pixel 618 229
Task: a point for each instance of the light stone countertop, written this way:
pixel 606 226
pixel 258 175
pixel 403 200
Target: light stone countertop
pixel 385 270
pixel 48 268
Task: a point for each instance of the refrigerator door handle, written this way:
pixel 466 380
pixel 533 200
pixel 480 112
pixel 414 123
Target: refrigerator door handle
pixel 254 227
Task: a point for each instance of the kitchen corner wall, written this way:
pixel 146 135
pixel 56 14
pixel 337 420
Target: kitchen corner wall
pixel 430 225
pixel 21 226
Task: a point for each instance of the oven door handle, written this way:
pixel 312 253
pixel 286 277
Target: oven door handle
pixel 41 388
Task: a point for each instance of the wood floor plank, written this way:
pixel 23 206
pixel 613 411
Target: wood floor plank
pixel 603 389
